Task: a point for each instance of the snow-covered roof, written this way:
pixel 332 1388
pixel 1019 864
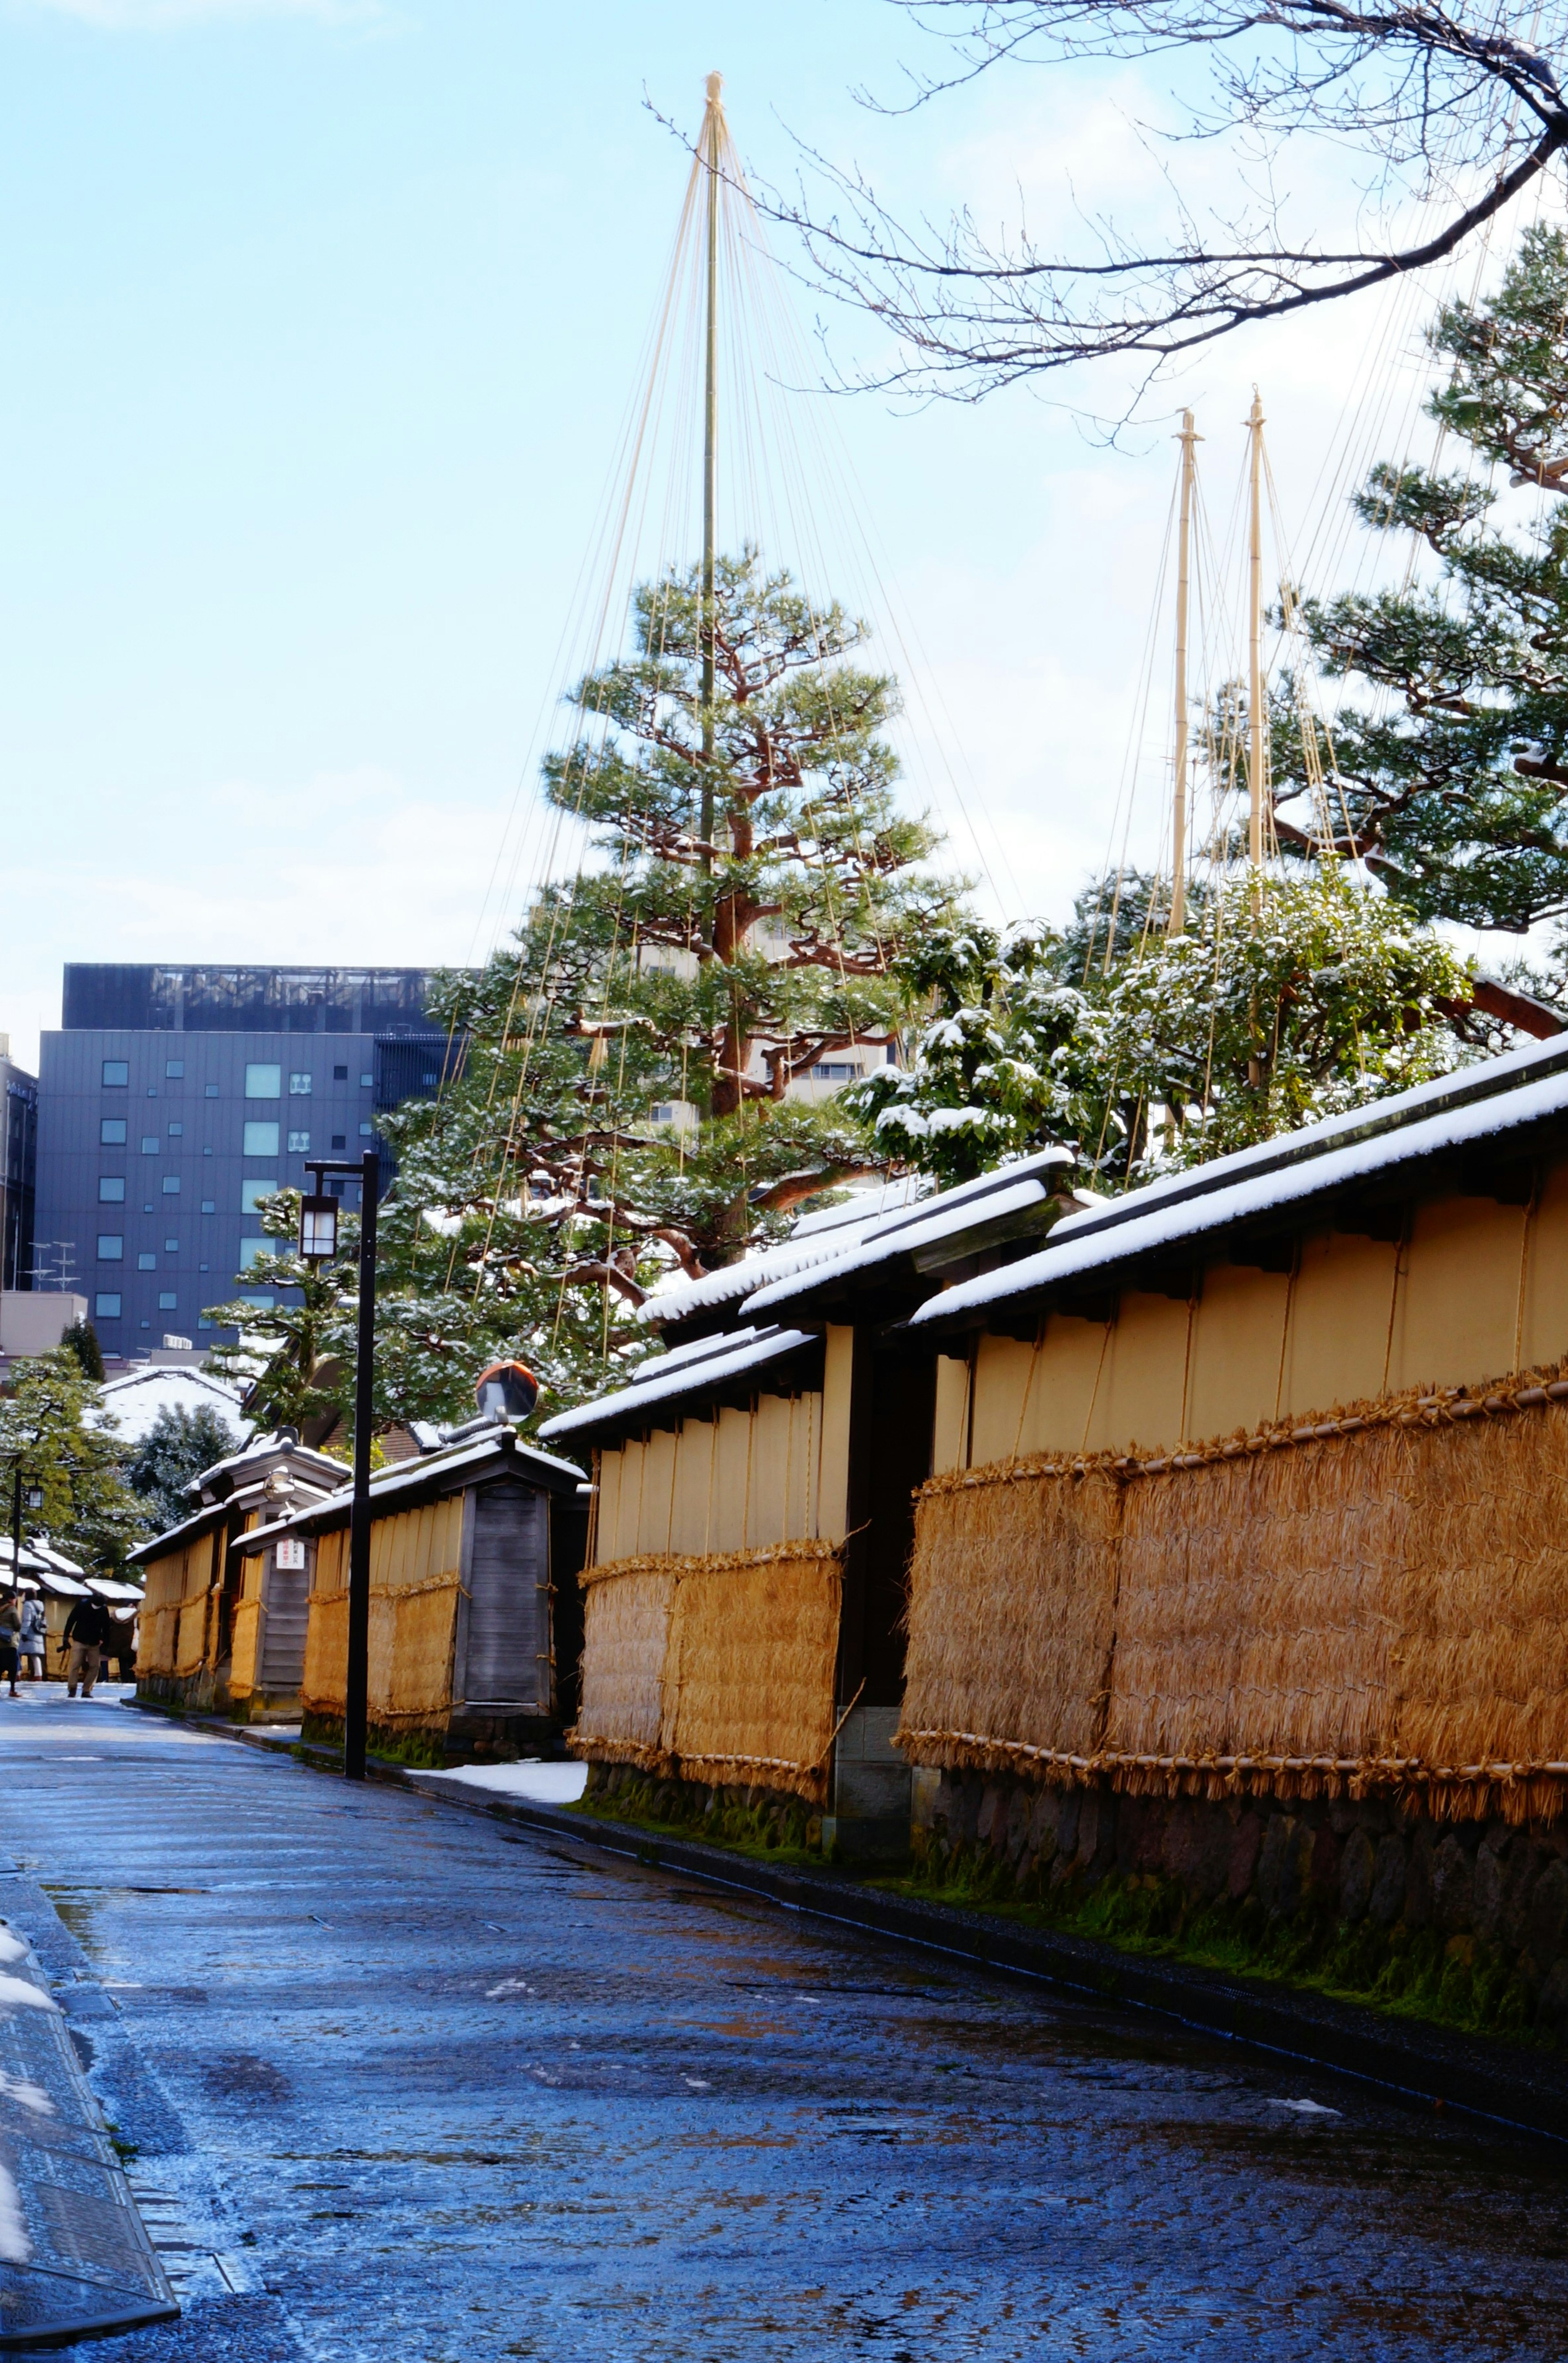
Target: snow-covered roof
pixel 973 1212
pixel 212 1515
pixel 1248 1188
pixel 675 1379
pixel 281 1446
pixel 431 1472
pixel 42 1569
pixel 815 1239
pixel 135 1400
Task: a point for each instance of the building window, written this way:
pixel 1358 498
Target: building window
pixel 206 1152
pixel 170 1247
pixel 111 1247
pixel 146 1263
pixel 172 1185
pixel 112 1131
pixel 201 1266
pixel 204 1322
pixel 263 1083
pixel 168 1302
pixel 256 1296
pixel 340 1074
pixel 834 1071
pixel 212 1091
pixel 251 1250
pixel 367 1082
pixel 209 1205
pixel 299 1087
pixel 341 1140
pixel 365 1131
pixel 111 1189
pixel 106 1305
pixel 149 1144
pixel 176 1131
pixel 117 1074
pixel 298 1143
pixel 175 1070
pixel 252 1189
pixel 261 1140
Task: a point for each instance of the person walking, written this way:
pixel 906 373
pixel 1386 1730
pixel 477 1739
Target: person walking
pixel 35 1636
pixel 86 1630
pixel 10 1640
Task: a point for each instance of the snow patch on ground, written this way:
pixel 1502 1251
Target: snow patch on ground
pixel 546 1784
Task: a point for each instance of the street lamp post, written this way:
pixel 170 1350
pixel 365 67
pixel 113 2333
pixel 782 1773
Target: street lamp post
pixel 319 1244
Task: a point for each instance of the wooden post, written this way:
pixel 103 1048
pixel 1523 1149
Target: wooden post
pixel 712 126
pixel 1189 441
pixel 1256 731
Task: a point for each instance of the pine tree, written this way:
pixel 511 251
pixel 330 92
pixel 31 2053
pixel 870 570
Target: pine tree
pixel 177 1448
pixel 623 1108
pixel 1453 774
pixel 51 1427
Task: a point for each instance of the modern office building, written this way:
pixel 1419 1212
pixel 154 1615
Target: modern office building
pixel 18 1168
pixel 172 1099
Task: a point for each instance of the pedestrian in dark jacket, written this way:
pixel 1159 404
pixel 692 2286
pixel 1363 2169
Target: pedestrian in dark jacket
pixel 86 1630
pixel 10 1640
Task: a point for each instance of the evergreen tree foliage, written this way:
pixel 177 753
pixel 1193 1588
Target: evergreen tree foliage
pixel 176 1450
pixel 82 1339
pixel 1169 1051
pixel 622 1108
pixel 1453 772
pixel 47 1417
pixel 287 1357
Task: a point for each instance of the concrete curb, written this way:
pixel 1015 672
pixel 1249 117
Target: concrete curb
pixel 1416 2061
pixel 78 2262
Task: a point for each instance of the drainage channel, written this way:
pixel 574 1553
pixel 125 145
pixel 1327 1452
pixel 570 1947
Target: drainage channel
pixel 75 2255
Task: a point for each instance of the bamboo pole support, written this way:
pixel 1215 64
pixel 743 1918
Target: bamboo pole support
pixel 1189 441
pixel 713 132
pixel 1255 727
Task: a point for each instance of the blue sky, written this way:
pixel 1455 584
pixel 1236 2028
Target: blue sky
pixel 319 322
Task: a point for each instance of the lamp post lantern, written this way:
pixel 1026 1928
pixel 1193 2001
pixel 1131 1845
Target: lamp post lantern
pixel 317 1243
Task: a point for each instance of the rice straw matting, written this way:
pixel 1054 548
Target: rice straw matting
pixel 1378 1599
pixel 1012 1597
pixel 717 1667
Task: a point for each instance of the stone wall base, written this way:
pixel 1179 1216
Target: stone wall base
pixel 1466 1922
pixel 731 1814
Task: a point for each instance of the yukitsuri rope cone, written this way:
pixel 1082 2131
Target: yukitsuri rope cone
pixel 718 1668
pixel 1375 1602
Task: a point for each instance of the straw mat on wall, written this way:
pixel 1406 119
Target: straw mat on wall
pixel 1377 1601
pixel 718 1668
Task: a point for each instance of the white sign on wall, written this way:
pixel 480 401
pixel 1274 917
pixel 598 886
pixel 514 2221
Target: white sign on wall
pixel 289 1551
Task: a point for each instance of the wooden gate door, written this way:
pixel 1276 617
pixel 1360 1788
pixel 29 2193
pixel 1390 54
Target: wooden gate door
pixel 507 1655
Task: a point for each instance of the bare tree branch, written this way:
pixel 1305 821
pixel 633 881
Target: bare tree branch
pixel 1451 104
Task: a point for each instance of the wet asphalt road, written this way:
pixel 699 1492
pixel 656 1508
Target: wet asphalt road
pixel 403 2083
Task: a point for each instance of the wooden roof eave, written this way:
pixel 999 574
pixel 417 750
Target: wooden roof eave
pixel 1270 1241
pixel 796 1373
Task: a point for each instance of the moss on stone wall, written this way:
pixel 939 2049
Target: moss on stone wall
pixel 753 1821
pixel 1465 1923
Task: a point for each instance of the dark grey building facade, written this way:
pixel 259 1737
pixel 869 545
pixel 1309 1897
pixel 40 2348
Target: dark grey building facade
pixel 18 1169
pixel 172 1098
